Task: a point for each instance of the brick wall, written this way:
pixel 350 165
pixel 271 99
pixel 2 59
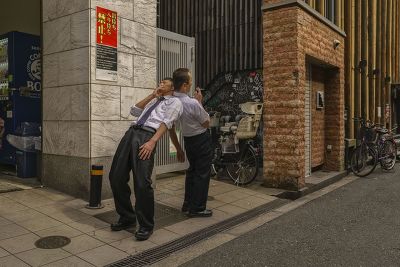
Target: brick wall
pixel 292 39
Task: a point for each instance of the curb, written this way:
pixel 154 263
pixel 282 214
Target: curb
pixel 293 195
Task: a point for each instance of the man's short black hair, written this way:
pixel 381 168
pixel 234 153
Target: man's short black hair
pixel 168 79
pixel 180 77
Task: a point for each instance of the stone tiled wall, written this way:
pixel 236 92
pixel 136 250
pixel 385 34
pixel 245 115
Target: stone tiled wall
pixel 66 95
pixel 293 38
pixel 111 102
pixel 85 118
pixel 66 78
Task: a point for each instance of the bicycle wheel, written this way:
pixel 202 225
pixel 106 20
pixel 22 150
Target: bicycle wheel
pixel 363 161
pixel 388 155
pixel 245 170
pixel 216 161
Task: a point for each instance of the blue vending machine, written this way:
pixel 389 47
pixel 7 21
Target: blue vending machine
pixel 20 87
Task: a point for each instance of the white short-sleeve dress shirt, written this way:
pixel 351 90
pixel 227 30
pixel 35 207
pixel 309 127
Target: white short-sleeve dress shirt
pixel 193 116
pixel 168 112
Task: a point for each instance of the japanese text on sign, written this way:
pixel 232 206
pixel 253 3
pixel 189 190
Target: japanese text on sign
pixel 106 45
pixel 107 27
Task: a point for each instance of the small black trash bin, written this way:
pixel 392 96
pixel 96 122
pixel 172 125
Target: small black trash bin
pixel 26 164
pixel 26 154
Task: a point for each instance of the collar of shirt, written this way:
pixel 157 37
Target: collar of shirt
pixel 178 94
pixel 168 96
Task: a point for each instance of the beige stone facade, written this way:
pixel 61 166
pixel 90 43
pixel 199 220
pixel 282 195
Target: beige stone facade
pixel 84 118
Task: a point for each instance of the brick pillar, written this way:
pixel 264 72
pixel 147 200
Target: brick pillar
pixel 296 35
pixel 283 100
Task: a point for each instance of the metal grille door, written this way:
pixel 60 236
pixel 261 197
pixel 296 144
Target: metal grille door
pixel 173 51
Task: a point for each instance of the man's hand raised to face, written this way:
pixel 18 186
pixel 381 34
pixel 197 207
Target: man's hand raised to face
pixel 198 95
pixel 162 89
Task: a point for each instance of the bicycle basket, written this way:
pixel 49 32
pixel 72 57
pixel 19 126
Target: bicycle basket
pixel 228 145
pixel 369 133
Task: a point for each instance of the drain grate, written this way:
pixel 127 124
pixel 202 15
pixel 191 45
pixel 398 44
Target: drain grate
pixel 52 242
pixel 155 254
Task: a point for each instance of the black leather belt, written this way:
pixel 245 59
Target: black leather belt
pixel 145 128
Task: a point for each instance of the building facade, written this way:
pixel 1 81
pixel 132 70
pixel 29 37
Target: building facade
pixel 324 62
pixel 347 51
pixel 83 117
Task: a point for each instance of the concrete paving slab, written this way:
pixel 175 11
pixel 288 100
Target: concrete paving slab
pixel 107 236
pixel 38 224
pixel 4 221
pixel 20 243
pixel 39 257
pixel 72 261
pixel 69 216
pixel 131 246
pixel 231 209
pixel 250 202
pixel 102 255
pixel 61 230
pixel 82 243
pixel 22 215
pixel 3 253
pixel 88 225
pixel 12 261
pixel 12 230
pixel 54 208
pixel 162 236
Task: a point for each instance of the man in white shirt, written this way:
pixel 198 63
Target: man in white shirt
pixel 155 114
pixel 194 124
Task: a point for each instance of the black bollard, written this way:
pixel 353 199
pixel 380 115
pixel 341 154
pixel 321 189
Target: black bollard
pixel 96 180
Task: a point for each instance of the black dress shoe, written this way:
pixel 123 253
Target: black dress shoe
pixel 118 226
pixel 143 234
pixel 204 213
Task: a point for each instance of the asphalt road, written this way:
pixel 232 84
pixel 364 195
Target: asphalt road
pixel 355 225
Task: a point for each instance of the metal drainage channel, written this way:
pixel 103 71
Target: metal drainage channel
pixel 153 255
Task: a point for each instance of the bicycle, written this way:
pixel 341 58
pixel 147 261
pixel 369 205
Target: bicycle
pixel 386 147
pixel 377 145
pixel 364 158
pixel 234 148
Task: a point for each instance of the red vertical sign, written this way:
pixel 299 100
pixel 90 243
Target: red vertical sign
pixel 107 27
pixel 106 45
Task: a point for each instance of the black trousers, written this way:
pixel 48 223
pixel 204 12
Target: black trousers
pixel 199 153
pixel 126 158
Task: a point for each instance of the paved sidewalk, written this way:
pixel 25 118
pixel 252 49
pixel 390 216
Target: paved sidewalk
pixel 28 215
